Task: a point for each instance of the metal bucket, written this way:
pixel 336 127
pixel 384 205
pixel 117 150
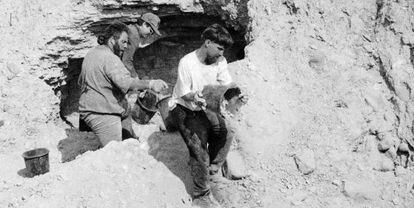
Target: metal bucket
pixel 145 108
pixel 37 161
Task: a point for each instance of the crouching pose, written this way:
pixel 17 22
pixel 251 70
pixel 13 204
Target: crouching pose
pixel 104 81
pixel 208 142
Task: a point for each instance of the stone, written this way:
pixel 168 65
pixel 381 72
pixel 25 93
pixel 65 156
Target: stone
pixel 360 190
pixel 386 141
pixel 384 164
pixel 235 167
pixel 371 143
pixel 400 171
pixel 403 147
pixel 305 161
pixel 391 153
pixel 13 71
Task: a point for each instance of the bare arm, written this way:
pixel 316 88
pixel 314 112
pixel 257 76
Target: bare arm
pixel 137 85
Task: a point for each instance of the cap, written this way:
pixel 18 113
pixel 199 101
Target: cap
pixel 153 20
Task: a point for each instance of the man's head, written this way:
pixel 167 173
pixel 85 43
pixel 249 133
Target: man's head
pixel 148 24
pixel 115 36
pixel 216 38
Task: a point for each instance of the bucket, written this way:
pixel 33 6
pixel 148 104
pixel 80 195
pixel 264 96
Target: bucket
pixel 37 161
pixel 145 108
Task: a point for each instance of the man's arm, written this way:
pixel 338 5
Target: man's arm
pixel 119 75
pixel 128 55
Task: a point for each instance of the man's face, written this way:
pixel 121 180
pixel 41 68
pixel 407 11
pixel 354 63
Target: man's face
pixel 146 30
pixel 120 44
pixel 214 52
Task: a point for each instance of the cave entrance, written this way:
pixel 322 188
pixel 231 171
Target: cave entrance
pixel 159 60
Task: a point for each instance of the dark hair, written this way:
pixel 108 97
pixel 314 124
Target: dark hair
pixel 115 30
pixel 231 93
pixel 140 21
pixel 217 34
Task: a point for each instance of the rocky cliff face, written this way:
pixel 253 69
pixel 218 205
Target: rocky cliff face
pixel 330 86
pixel 335 80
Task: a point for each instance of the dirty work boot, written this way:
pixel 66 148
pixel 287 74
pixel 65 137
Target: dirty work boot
pixel 207 201
pixel 216 176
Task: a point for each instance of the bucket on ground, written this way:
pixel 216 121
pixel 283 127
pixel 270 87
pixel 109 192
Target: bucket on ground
pixel 37 161
pixel 145 107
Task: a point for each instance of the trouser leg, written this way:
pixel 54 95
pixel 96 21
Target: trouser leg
pixel 106 127
pixel 126 119
pixel 219 146
pixel 194 132
pixel 127 131
pixel 216 123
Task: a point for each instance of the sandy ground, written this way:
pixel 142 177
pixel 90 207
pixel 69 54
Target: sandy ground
pixel 330 104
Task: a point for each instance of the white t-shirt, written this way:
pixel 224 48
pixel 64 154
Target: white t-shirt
pixel 194 75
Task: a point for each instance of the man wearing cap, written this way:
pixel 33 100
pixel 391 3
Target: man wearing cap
pixel 139 36
pixel 146 26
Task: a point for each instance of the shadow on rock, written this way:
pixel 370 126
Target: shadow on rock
pixel 170 149
pixel 77 143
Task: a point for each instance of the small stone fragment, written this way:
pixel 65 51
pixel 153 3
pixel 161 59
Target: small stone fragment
pixel 403 147
pixel 385 143
pixel 235 168
pixel 391 153
pixel 305 161
pixel 400 171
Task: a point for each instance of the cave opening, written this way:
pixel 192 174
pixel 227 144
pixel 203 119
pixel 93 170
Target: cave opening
pixel 158 60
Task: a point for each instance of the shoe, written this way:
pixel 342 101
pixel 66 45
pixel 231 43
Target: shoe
pixel 218 178
pixel 207 201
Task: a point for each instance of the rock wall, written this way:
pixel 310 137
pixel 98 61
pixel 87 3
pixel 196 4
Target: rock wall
pixel 332 77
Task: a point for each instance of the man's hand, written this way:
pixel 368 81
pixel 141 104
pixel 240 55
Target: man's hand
pixel 199 100
pixel 157 85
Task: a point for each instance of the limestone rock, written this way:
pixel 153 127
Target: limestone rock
pixel 400 171
pixel 403 147
pixel 386 141
pixel 391 153
pixel 360 190
pixel 305 161
pixel 13 71
pixel 235 167
pixel 384 164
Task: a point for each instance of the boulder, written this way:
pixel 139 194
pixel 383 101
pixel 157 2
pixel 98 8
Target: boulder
pixel 360 190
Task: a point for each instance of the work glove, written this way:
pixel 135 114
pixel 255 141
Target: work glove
pixel 157 85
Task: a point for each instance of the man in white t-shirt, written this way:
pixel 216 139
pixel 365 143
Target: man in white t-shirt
pixel 207 142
